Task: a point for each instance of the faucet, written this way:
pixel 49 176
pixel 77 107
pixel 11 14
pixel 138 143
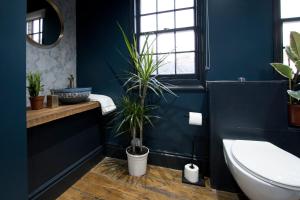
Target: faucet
pixel 242 79
pixel 71 81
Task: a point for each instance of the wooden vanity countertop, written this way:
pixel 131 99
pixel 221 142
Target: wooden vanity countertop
pixel 45 115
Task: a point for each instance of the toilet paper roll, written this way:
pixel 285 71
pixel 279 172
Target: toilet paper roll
pixel 195 118
pixel 191 174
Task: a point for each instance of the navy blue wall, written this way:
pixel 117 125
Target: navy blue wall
pixel 13 184
pixel 241 39
pixel 241 45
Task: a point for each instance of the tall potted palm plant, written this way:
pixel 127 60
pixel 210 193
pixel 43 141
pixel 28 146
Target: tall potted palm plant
pixel 292 74
pixel 135 111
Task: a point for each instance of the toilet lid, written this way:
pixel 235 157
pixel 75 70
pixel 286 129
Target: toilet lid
pixel 268 162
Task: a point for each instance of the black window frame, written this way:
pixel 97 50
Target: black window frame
pixel 278 33
pixel 197 79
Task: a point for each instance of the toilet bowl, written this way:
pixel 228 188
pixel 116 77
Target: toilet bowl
pixel 262 170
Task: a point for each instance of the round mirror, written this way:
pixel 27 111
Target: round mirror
pixel 44 23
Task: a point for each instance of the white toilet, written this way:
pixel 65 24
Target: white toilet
pixel 262 170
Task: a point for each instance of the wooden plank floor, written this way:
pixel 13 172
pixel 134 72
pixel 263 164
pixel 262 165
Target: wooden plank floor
pixel 109 180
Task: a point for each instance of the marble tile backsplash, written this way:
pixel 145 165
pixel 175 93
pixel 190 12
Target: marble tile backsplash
pixel 56 63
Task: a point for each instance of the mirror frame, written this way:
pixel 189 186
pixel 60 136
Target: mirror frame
pixel 61 19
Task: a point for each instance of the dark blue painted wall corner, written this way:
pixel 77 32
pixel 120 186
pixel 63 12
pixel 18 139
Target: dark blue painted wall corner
pixel 13 168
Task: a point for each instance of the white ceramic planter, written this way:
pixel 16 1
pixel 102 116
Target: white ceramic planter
pixel 137 164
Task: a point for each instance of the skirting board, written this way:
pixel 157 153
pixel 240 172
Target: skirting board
pixel 58 184
pixel 160 158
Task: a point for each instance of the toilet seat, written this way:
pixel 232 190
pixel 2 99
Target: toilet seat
pixel 268 163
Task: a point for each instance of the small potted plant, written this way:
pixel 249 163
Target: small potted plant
pixel 34 88
pixel 292 73
pixel 135 112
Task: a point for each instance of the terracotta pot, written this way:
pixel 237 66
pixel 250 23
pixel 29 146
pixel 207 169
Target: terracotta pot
pixel 294 114
pixel 37 102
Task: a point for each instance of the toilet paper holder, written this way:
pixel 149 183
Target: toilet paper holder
pixel 187 116
pixel 201 181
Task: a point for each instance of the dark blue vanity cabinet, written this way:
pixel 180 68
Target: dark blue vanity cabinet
pixel 60 148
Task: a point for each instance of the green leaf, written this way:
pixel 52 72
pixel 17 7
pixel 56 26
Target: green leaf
pixel 297 64
pixel 291 54
pixel 295 42
pixel 294 94
pixel 140 81
pixel 34 84
pixel 283 69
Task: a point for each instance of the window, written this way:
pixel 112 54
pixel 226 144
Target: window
pixel 34 26
pixel 172 26
pixel 289 21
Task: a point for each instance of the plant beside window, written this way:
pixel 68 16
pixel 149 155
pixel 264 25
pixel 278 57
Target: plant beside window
pixel 135 112
pixel 34 88
pixel 292 74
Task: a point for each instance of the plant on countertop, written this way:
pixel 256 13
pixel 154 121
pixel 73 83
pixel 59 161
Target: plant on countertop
pixel 293 53
pixel 292 74
pixel 135 112
pixel 34 88
pixel 34 84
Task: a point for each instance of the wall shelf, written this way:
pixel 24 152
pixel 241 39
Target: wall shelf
pixel 45 115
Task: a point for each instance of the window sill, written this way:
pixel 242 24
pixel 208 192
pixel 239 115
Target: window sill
pixel 187 87
pixel 185 84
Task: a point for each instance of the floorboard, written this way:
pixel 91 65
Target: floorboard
pixel 109 180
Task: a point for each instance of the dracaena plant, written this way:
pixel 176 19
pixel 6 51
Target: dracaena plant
pixel 140 81
pixel 291 73
pixel 34 84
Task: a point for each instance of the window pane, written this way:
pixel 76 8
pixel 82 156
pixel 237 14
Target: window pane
pixel 165 42
pixel 168 66
pixel 185 63
pixel 151 42
pixel 185 18
pixel 166 21
pixel 29 27
pixel 165 5
pixel 36 38
pixel 155 61
pixel 185 41
pixel 148 6
pixel 36 26
pixel 286 30
pixel 184 3
pixel 148 23
pixel 290 8
pixel 41 24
